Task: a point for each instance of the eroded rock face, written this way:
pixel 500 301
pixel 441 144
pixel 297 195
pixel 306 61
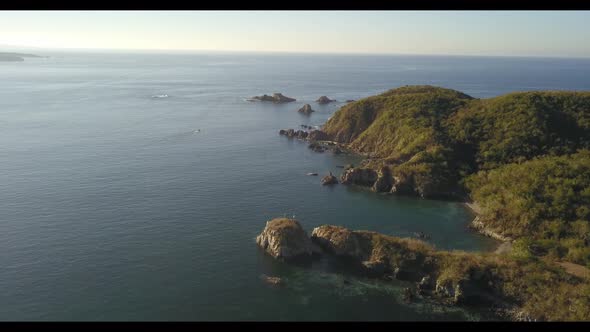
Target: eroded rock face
pixel 324 100
pixel 402 186
pixel 285 239
pixel 341 241
pixel 359 176
pixel 384 180
pixel 306 109
pixel 275 98
pixel 318 135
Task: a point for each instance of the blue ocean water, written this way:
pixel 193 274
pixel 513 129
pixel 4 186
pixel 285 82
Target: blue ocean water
pixel 133 185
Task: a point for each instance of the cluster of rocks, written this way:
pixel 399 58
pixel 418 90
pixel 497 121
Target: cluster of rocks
pixel 286 240
pixel 306 126
pixel 306 109
pixel 316 147
pixel 300 134
pixel 280 98
pixel 276 97
pixel 317 139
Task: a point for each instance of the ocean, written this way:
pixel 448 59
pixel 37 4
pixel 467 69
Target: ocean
pixel 133 185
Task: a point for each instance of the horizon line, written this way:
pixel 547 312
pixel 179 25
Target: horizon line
pixel 359 53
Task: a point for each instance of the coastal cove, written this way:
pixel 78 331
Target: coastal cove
pixel 137 189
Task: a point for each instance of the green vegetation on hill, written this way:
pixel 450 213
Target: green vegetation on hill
pixel 544 202
pixel 519 126
pixel 524 157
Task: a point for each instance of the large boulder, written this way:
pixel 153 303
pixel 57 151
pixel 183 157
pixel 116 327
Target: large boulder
pixel 384 180
pixel 359 176
pixel 275 98
pixel 285 239
pixel 324 100
pixel 306 109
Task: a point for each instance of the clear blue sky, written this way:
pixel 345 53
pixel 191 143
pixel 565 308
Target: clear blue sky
pixel 536 33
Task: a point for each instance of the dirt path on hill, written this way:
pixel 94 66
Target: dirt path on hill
pixel 575 269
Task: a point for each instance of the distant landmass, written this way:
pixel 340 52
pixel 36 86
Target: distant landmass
pixel 7 56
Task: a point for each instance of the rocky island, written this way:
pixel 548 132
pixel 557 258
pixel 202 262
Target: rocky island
pixel 521 161
pixel 276 98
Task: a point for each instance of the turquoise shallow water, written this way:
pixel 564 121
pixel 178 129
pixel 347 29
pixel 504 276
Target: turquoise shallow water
pixel 117 205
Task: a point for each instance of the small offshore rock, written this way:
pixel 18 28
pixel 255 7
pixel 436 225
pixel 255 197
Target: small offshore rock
pixel 324 100
pixel 306 109
pixel 329 179
pixel 275 281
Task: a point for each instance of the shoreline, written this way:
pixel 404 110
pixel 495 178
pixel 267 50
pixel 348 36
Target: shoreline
pixel 476 224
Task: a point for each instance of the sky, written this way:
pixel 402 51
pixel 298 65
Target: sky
pixel 493 33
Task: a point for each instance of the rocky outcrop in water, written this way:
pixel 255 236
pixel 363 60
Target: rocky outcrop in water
pixel 285 239
pixel 292 133
pixel 273 281
pixel 318 135
pixel 316 147
pixel 306 109
pixel 276 98
pixel 324 100
pixel 329 179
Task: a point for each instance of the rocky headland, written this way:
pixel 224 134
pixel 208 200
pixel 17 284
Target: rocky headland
pixel 523 157
pixel 499 283
pixel 514 154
